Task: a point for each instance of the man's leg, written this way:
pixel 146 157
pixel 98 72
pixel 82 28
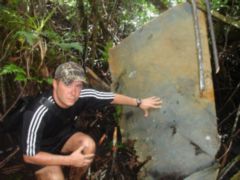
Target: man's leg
pixel 79 139
pixel 50 173
pixel 73 143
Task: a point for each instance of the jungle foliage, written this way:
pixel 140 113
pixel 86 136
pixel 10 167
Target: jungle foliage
pixel 36 36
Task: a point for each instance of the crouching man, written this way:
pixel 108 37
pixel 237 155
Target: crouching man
pixel 49 138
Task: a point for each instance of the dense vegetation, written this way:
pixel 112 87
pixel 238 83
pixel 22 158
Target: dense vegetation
pixel 37 35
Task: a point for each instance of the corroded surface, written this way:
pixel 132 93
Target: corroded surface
pixel 161 59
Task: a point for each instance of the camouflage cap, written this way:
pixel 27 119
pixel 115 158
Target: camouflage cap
pixel 69 72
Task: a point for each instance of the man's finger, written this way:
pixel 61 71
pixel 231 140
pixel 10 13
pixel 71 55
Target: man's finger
pixel 157 106
pixel 81 148
pixel 145 113
pixel 156 98
pixel 89 156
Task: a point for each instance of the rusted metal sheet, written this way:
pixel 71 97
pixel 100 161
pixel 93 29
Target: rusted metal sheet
pixel 161 59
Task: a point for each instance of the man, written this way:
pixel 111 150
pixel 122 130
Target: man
pixel 49 138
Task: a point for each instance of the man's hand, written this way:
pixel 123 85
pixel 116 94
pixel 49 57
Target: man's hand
pixel 150 102
pixel 145 105
pixel 79 159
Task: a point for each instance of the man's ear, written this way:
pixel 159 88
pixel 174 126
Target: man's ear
pixel 54 83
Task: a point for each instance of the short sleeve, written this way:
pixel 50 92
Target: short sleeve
pixel 95 99
pixel 32 130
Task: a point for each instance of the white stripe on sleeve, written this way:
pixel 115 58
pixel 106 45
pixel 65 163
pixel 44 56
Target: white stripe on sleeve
pixel 33 129
pixel 96 94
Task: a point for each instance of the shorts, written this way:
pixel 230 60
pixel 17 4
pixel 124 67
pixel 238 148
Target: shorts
pixel 55 144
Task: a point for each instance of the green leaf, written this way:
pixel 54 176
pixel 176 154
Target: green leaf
pixel 50 34
pixel 10 18
pixel 36 79
pixel 30 37
pixel 41 80
pixel 48 80
pixel 69 46
pixel 20 74
pixel 12 69
pixel 106 50
pixel 20 77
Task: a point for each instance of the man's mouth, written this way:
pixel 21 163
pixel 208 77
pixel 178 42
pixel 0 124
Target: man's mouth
pixel 71 99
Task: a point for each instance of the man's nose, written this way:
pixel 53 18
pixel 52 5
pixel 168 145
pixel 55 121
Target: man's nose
pixel 73 91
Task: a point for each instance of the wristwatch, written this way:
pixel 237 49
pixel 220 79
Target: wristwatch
pixel 139 102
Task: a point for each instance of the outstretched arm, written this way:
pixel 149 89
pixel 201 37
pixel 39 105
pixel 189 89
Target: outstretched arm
pixel 145 104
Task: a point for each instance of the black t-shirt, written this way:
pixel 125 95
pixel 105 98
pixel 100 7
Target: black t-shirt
pixel 42 125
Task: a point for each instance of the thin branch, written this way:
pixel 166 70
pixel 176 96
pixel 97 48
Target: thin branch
pixel 5 53
pixel 14 103
pixel 5 50
pixel 225 19
pixel 228 167
pixel 226 118
pixel 3 92
pixel 9 157
pixel 230 97
pixel 236 121
pixel 96 78
pixel 225 153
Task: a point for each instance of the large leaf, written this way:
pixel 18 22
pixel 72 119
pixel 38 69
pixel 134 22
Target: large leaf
pixel 50 34
pixel 20 74
pixel 11 68
pixel 69 46
pixel 10 18
pixel 30 37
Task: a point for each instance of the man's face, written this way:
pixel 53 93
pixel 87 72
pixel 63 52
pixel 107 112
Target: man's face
pixel 66 95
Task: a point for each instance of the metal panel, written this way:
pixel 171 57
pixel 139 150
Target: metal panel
pixel 160 59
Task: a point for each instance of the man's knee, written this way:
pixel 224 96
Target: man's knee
pixel 50 173
pixel 89 144
pixel 77 140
